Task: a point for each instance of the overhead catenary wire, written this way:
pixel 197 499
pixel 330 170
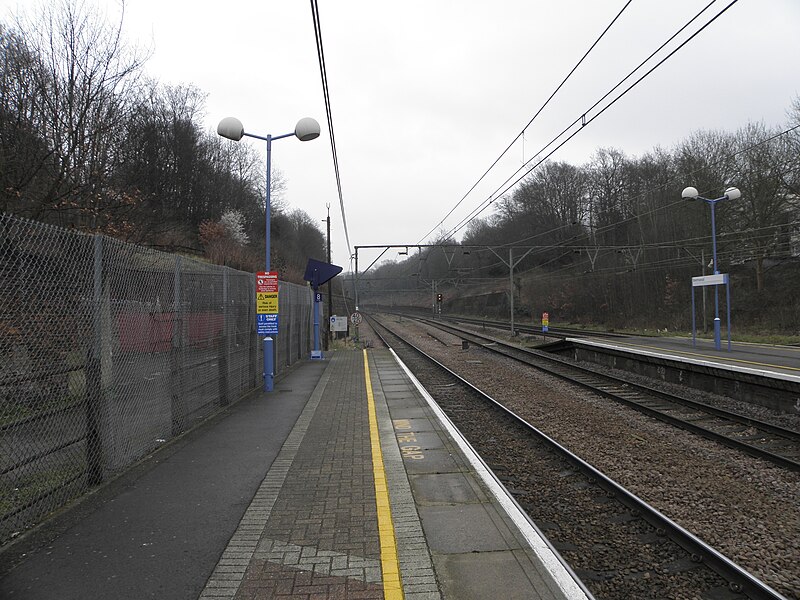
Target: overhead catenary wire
pixel 640 215
pixel 582 118
pixel 653 245
pixel 522 132
pixel 326 93
pixel 568 271
pixel 742 237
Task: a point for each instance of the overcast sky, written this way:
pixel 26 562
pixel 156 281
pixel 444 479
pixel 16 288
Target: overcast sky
pixel 426 94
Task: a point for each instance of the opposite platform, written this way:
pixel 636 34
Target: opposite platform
pixel 371 496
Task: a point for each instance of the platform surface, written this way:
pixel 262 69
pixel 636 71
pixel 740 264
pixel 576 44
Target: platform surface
pixel 764 360
pixel 342 483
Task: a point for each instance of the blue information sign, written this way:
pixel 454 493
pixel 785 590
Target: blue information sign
pixel 267 324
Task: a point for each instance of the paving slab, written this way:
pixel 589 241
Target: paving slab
pixel 447 488
pixel 476 547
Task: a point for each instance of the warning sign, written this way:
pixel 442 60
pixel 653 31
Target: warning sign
pixel 267 283
pixel 267 303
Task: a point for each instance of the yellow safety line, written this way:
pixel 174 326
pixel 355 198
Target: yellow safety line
pixel 392 587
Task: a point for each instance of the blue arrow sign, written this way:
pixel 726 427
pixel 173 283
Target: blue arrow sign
pixel 318 272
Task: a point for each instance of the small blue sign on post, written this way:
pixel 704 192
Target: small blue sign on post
pixel 317 273
pixel 267 324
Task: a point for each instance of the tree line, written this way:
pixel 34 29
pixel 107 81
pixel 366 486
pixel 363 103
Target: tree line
pixel 612 242
pixel 89 141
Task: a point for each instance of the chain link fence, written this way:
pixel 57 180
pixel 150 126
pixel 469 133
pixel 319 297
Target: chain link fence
pixel 108 350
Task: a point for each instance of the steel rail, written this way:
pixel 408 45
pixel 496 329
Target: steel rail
pixel 555 332
pixel 559 332
pixel 739 579
pixel 786 435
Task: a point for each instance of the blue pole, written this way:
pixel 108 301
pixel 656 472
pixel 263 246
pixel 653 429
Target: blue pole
pixel 225 131
pixel 728 308
pixel 269 360
pixel 316 352
pixel 267 204
pixel 717 343
pixel 694 325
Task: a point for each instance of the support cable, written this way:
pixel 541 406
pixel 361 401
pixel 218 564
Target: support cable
pixel 522 132
pixel 326 94
pixel 584 121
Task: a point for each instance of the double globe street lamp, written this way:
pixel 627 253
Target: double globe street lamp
pixel 306 129
pixel 732 193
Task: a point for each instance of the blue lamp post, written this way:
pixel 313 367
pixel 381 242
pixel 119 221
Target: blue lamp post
pixel 305 130
pixel 732 193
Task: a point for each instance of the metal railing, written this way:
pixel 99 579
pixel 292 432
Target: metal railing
pixel 108 350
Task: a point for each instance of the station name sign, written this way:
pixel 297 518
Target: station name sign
pixel 718 279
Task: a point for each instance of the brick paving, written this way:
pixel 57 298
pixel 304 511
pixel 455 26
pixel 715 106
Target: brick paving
pixel 312 531
pixel 311 528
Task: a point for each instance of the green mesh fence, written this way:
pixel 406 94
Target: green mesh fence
pixel 108 350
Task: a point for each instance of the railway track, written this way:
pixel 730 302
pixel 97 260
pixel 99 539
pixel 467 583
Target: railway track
pixel 554 332
pixel 759 439
pixel 619 545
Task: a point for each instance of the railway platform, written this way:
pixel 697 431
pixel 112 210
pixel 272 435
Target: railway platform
pixel 760 374
pixel 762 360
pixel 345 482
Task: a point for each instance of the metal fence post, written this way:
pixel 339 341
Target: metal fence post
pixel 94 375
pixel 98 332
pixel 253 346
pixel 224 346
pixel 175 355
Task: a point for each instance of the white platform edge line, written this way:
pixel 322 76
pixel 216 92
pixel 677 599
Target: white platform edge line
pixel 690 360
pixel 562 577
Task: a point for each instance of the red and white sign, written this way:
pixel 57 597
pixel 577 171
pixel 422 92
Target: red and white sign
pixel 267 293
pixel 267 283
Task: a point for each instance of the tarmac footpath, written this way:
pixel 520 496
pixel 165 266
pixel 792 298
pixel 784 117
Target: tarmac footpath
pixel 371 496
pixel 157 530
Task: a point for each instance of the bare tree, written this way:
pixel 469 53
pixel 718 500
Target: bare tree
pixel 792 152
pixel 765 210
pixel 25 158
pixel 84 76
